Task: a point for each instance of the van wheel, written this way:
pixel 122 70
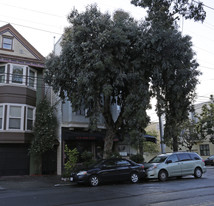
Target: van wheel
pixel 94 180
pixel 134 177
pixel 198 172
pixel 162 176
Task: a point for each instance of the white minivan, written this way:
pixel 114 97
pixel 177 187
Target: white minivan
pixel 175 164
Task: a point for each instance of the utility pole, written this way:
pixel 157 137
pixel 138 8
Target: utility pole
pixel 161 134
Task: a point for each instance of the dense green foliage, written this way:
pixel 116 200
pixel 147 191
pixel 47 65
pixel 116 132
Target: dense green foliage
pixel 118 62
pixel 101 67
pixel 190 134
pixel 71 161
pixel 189 9
pixel 137 158
pixel 171 59
pixel 206 120
pixel 44 128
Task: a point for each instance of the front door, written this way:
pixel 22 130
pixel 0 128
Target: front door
pixel 109 171
pixel 187 165
pixel 174 167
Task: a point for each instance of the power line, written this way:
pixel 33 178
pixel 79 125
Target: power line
pixel 209 7
pixel 206 67
pixel 204 50
pixel 32 10
pixel 33 28
pixel 34 22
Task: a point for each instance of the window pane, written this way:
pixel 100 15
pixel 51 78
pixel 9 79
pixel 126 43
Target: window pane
pixel 7 40
pixel 2 74
pixel 30 113
pixel 1 111
pixel 17 74
pixel 14 123
pixel 7 43
pixel 184 157
pixel 29 124
pixel 205 150
pixel 2 69
pixel 31 78
pixel 0 123
pixel 15 111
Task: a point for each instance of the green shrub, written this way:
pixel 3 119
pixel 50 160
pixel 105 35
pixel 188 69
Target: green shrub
pixel 71 161
pixel 137 158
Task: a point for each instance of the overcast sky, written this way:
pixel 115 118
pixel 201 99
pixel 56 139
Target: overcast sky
pixel 42 23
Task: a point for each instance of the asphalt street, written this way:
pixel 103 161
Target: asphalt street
pixel 51 191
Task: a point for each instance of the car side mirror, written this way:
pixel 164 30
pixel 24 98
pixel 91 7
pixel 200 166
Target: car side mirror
pixel 168 161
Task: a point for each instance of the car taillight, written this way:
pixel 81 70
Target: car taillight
pixel 203 161
pixel 142 166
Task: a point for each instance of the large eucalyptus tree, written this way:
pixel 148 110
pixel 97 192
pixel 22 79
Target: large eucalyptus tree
pixel 172 61
pixel 101 66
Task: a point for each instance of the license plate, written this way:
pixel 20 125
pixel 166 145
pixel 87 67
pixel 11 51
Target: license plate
pixel 71 179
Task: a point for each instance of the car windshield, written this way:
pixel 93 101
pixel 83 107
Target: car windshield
pixel 158 159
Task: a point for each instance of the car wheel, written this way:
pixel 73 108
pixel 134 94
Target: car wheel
pixel 94 180
pixel 134 177
pixel 198 172
pixel 162 176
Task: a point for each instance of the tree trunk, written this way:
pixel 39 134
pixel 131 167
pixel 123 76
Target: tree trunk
pixel 35 164
pixel 108 144
pixel 175 143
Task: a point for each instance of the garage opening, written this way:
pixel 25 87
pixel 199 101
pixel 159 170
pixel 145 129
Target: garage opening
pixel 14 159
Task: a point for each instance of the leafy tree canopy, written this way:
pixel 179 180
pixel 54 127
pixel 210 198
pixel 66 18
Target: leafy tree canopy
pixel 189 135
pixel 189 9
pixel 172 61
pixel 206 120
pixel 101 66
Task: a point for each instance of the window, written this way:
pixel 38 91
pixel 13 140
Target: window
pixel 121 163
pixel 7 43
pixel 32 78
pixel 204 150
pixel 17 74
pixel 30 118
pixel 2 74
pixel 184 157
pixel 174 158
pixel 1 117
pixel 110 164
pixel 195 156
pixel 15 117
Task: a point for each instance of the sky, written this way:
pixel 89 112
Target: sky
pixel 42 23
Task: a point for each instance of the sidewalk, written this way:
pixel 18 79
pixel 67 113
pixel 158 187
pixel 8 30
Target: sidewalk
pixel 31 182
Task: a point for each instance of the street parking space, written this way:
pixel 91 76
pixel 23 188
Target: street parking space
pixel 51 191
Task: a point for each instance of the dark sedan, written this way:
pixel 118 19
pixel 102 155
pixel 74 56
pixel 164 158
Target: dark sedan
pixel 209 160
pixel 110 170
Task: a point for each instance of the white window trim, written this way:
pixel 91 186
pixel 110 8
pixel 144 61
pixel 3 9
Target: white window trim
pixel 26 118
pixel 35 82
pixel 22 117
pixel 12 44
pixel 11 74
pixel 26 70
